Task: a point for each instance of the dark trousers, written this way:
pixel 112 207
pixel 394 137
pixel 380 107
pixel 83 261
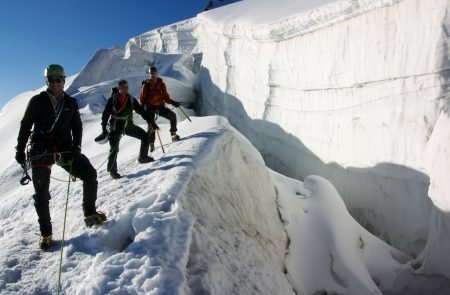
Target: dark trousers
pixel 79 166
pixel 114 140
pixel 165 113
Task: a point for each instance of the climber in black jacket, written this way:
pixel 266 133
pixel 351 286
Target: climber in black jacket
pixel 119 111
pixel 56 138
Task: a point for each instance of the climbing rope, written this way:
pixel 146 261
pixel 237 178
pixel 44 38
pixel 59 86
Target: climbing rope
pixel 64 230
pixel 110 153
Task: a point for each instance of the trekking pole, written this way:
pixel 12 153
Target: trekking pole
pixel 187 117
pixel 159 137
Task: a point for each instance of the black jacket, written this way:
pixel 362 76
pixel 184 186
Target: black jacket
pixel 60 130
pixel 125 116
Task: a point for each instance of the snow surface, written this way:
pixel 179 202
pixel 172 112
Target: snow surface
pixel 208 216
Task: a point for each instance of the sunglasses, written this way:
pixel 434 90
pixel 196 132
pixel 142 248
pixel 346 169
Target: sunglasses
pixel 124 86
pixel 55 79
pixel 154 73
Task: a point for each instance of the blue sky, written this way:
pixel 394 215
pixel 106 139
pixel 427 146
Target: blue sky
pixel 68 32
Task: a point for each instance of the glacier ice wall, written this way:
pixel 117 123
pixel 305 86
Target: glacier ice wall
pixel 356 91
pixel 174 38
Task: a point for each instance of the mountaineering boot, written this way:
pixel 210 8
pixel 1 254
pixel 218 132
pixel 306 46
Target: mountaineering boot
pixel 45 242
pixel 115 175
pixel 175 137
pixel 152 147
pixel 96 218
pixel 143 158
pixel 102 138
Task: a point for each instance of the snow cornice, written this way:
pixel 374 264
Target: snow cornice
pixel 300 24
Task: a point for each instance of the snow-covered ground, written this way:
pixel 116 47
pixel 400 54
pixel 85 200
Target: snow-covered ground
pixel 347 90
pixel 203 218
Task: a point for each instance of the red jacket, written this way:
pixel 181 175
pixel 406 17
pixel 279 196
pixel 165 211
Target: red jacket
pixel 154 93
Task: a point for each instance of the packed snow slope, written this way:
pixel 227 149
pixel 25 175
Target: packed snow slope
pixel 203 218
pixel 354 91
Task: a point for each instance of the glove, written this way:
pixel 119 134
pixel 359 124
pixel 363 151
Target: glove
pixel 153 125
pixel 20 156
pixel 176 104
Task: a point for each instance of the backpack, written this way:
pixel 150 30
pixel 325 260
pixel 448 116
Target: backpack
pixel 114 90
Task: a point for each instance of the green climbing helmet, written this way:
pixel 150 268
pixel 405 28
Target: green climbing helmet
pixel 54 71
